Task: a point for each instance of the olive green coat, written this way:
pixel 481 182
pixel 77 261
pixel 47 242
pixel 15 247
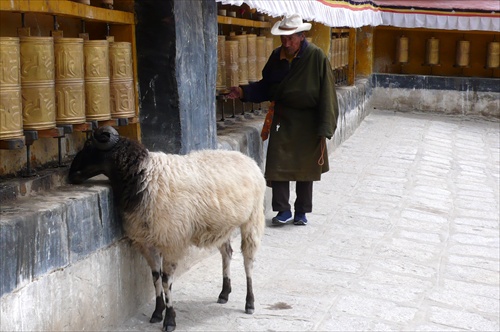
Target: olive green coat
pixel 306 112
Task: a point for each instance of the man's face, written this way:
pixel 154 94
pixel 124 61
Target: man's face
pixel 291 43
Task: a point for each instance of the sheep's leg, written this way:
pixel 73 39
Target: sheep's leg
pixel 227 253
pixel 250 240
pixel 153 258
pixel 249 303
pixel 167 279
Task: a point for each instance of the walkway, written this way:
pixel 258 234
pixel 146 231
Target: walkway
pixel 404 236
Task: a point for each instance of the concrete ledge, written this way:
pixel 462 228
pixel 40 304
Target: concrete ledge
pixel 55 229
pixel 465 96
pixel 106 287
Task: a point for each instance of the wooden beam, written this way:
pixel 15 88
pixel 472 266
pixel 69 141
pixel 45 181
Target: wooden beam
pixel 242 22
pixel 351 67
pixel 68 8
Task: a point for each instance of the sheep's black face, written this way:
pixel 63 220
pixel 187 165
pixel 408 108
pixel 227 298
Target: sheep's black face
pixel 87 163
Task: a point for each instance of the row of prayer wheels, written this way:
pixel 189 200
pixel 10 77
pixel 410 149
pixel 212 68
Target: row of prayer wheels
pixel 241 58
pixel 46 81
pixel 462 53
pixel 339 52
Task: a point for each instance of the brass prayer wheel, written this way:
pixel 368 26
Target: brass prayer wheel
pixel 432 51
pixel 69 80
pixel 231 57
pixel 220 83
pixel 37 83
pixel 242 57
pixel 345 51
pixel 252 57
pixel 337 53
pixel 493 55
pixel 261 55
pixel 269 46
pixel 463 50
pixel 402 50
pixel 11 117
pixel 121 80
pixel 97 82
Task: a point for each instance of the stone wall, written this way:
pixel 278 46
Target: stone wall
pixel 177 60
pixel 466 96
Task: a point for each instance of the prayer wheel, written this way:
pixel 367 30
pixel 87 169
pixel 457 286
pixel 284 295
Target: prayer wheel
pixel 221 63
pixel 11 117
pixel 242 57
pixel 122 92
pixel 402 50
pixel 38 83
pixel 231 59
pixel 97 83
pixel 493 55
pixel 462 56
pixel 337 53
pixel 69 80
pixel 269 46
pixel 432 51
pixel 332 53
pixel 345 51
pixel 252 58
pixel 261 55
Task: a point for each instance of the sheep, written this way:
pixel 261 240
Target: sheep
pixel 169 202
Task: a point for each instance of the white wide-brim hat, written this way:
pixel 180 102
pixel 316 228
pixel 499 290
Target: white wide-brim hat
pixel 290 25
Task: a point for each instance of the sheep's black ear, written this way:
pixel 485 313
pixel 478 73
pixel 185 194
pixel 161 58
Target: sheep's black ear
pixel 105 137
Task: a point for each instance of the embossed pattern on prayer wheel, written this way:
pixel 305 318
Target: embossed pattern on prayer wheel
pixel 261 55
pixel 493 55
pixel 69 78
pixel 221 63
pixel 345 51
pixel 402 50
pixel 432 51
pixel 97 82
pixel 269 46
pixel 11 116
pixel 252 57
pixel 242 58
pixel 121 80
pixel 37 83
pixel 463 51
pixel 232 71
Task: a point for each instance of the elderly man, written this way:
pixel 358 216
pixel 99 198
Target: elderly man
pixel 298 80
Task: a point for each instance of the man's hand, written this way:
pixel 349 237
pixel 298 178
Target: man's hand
pixel 236 92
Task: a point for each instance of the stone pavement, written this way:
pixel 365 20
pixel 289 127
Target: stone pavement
pixel 404 237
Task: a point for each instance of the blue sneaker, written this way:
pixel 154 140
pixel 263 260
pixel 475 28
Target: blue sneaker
pixel 300 219
pixel 282 218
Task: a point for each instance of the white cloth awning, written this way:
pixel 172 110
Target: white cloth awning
pixel 331 13
pixel 435 14
pixel 430 14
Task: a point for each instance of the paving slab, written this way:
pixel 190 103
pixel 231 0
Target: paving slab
pixel 404 237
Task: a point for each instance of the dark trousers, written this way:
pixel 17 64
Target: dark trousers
pixel 281 196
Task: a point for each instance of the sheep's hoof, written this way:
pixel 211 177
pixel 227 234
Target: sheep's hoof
pixel 155 319
pixel 169 328
pixel 169 322
pixel 222 301
pixel 249 310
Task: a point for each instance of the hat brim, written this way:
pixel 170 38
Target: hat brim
pixel 275 30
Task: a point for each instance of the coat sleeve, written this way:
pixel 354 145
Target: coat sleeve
pixel 328 106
